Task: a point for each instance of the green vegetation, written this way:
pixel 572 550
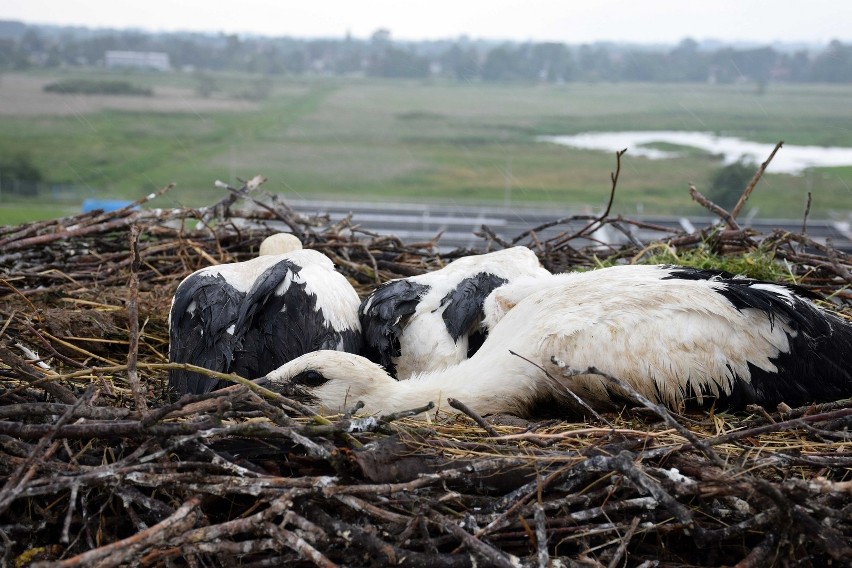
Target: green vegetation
pixel 16 213
pixel 89 87
pixel 18 175
pixel 728 183
pixel 758 264
pixel 424 140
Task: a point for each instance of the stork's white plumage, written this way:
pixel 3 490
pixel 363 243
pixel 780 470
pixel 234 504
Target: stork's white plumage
pixel 432 321
pixel 678 336
pixel 251 317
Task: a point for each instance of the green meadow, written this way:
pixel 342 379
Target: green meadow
pixel 406 140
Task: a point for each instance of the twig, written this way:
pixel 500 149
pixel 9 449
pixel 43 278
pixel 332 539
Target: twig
pixel 660 411
pixel 541 535
pixel 751 184
pixel 25 471
pixel 462 407
pixel 713 208
pixel 488 553
pixel 579 400
pixel 120 551
pixel 36 378
pixel 597 221
pixel 133 322
pixel 805 216
pixel 624 541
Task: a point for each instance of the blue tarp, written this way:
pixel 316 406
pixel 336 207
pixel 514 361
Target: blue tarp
pixel 90 205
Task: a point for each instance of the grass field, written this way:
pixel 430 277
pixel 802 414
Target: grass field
pixel 372 139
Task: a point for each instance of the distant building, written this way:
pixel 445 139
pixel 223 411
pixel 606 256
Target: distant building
pixel 153 60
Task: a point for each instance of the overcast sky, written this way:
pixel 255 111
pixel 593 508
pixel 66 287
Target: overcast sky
pixel 568 21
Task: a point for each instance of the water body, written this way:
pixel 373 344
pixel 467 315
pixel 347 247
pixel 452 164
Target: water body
pixel 790 159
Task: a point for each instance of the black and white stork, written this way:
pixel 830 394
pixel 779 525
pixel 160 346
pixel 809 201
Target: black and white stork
pixel 678 336
pixel 252 317
pixel 432 321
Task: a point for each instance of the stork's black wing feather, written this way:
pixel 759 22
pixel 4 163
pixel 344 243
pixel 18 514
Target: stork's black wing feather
pixel 463 304
pixel 383 316
pixel 818 346
pixel 201 336
pixel 282 321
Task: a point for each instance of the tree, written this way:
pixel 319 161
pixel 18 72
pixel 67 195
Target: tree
pixel 728 182
pixel 461 63
pixel 19 175
pixel 396 62
pixel 501 64
pixel 834 65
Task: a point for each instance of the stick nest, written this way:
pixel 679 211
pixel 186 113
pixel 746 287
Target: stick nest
pixel 102 468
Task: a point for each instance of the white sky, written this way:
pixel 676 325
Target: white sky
pixel 568 21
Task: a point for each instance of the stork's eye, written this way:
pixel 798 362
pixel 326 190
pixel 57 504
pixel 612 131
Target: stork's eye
pixel 310 379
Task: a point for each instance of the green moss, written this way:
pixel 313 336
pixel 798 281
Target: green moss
pixel 759 264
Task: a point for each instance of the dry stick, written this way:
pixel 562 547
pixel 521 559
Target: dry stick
pixel 756 178
pixel 805 216
pixel 118 552
pixel 296 543
pixel 491 555
pixel 49 346
pixel 36 378
pixel 660 411
pixel 596 222
pixel 372 510
pixel 24 472
pixel 27 300
pixel 832 542
pixel 625 540
pixel 250 384
pixel 713 208
pixel 835 262
pixel 569 391
pixel 459 405
pixel 540 228
pixel 133 323
pixel 541 535
pixel 759 555
pixel 487 233
pixel 32 409
pixel 777 426
pixel 81 231
pixel 103 429
pixel 613 176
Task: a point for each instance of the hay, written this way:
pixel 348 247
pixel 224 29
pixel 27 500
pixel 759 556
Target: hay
pixel 101 468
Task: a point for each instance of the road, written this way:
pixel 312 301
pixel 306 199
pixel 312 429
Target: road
pixel 458 223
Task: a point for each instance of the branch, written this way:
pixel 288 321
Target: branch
pixel 750 187
pixel 713 208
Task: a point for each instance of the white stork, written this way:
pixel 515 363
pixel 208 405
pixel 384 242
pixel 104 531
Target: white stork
pixel 678 336
pixel 252 317
pixel 432 321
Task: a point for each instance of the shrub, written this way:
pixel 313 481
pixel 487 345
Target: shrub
pixel 90 87
pixel 18 175
pixel 728 182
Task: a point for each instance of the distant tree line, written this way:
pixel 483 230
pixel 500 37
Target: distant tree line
pixel 23 47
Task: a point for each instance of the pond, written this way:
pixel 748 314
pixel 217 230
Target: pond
pixel 790 159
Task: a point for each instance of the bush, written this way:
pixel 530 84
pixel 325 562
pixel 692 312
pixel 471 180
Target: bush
pixel 19 176
pixel 90 87
pixel 728 183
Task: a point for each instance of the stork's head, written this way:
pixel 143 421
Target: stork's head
pixel 280 243
pixel 333 381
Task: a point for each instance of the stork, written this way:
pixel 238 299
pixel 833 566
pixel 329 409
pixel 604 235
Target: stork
pixel 252 317
pixel 679 336
pixel 432 321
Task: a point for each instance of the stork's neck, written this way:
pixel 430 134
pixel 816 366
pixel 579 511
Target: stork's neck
pixel 486 386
